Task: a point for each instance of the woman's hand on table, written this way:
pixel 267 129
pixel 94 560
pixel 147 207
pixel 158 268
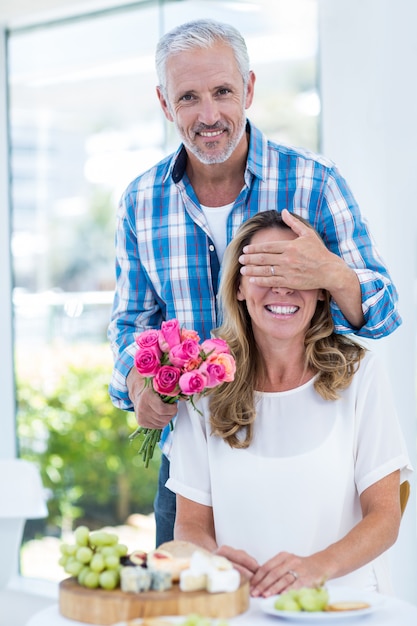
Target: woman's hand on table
pixel 285 571
pixel 241 560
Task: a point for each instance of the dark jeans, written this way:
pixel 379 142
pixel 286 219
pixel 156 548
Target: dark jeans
pixel 164 506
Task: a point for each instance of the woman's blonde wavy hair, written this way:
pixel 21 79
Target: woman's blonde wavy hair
pixel 334 358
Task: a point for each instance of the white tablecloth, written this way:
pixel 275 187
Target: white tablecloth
pixel 393 612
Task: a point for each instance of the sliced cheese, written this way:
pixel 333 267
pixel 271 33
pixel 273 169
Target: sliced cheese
pixel 223 580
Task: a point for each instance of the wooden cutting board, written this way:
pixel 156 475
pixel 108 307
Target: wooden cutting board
pixel 98 606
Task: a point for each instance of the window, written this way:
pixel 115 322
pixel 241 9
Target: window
pixel 84 121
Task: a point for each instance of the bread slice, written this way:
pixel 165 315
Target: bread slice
pixel 181 549
pixel 173 556
pixel 347 606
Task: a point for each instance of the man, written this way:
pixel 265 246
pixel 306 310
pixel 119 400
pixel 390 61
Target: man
pixel 175 220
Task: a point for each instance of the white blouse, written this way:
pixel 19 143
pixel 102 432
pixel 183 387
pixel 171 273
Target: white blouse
pixel 297 487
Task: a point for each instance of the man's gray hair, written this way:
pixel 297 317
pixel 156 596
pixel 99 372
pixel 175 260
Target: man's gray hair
pixel 202 33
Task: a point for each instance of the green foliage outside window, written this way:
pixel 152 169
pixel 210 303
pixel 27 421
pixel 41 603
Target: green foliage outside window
pixel 80 441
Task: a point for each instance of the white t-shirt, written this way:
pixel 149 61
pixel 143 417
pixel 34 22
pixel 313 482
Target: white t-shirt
pixel 217 220
pixel 297 487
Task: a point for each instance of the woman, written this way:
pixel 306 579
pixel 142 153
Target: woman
pixel 293 470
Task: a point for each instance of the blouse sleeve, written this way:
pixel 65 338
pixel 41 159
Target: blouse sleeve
pixel 189 465
pixel 380 446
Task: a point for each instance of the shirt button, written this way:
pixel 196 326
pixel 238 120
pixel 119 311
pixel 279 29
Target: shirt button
pixel 211 247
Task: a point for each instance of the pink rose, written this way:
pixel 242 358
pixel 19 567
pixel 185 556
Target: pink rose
pixel 147 361
pixel 214 373
pixel 192 364
pixel 184 352
pixel 215 346
pixel 192 382
pixel 149 339
pixel 170 335
pixel 166 381
pixel 189 334
pixel 219 368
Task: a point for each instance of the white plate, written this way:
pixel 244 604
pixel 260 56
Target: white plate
pixel 336 594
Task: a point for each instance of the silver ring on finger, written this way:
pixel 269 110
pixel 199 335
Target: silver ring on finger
pixel 293 574
pixel 272 270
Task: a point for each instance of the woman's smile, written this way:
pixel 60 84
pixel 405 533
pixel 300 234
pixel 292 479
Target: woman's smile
pixel 281 309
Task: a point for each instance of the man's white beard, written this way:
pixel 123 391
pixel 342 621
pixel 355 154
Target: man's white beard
pixel 208 159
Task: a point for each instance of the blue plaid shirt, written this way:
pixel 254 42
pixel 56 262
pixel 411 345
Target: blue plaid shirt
pixel 166 261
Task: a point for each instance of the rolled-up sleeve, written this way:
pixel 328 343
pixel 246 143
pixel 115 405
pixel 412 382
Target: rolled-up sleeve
pixel 134 307
pixel 345 232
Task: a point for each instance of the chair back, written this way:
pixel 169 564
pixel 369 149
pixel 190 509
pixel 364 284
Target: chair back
pixel 22 497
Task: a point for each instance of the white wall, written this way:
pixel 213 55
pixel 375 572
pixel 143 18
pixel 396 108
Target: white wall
pixel 369 94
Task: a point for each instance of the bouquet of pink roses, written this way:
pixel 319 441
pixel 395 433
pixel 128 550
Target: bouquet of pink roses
pixel 177 366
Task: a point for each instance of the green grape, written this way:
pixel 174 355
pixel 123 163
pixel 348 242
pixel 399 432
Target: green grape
pixel 311 599
pixel 73 568
pixel 112 562
pixel 83 573
pixel 91 580
pixel 286 603
pixel 70 549
pixel 84 554
pixel 112 539
pixel 81 535
pixel 99 538
pixel 94 559
pixel 122 549
pixel 108 551
pixel 109 579
pixel 324 597
pixel 97 563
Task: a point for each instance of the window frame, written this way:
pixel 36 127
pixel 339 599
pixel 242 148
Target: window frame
pixel 8 441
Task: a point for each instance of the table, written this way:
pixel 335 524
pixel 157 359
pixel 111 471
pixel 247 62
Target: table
pixel 393 612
